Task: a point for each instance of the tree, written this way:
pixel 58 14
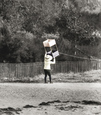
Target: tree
pixel 75 27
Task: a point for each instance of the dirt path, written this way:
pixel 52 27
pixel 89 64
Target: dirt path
pixel 50 99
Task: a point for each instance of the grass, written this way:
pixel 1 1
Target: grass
pixel 88 76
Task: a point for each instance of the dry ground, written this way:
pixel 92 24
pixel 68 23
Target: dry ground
pixel 70 98
pixel 50 99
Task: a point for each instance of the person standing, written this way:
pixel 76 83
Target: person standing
pixel 48 60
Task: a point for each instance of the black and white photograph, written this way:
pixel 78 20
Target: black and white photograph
pixel 50 57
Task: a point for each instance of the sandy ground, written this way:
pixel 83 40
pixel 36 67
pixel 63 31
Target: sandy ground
pixel 50 99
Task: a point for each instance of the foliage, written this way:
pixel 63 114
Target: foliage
pixel 23 23
pixel 75 27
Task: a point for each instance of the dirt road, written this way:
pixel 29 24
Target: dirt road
pixel 50 99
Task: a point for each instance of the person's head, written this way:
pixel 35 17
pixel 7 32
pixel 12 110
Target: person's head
pixel 49 53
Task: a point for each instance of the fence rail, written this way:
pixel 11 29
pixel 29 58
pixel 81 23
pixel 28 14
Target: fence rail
pixel 21 70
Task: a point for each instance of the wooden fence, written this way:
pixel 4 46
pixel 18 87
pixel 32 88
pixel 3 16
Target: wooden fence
pixel 21 70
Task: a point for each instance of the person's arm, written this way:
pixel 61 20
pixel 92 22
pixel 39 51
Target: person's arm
pixel 54 61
